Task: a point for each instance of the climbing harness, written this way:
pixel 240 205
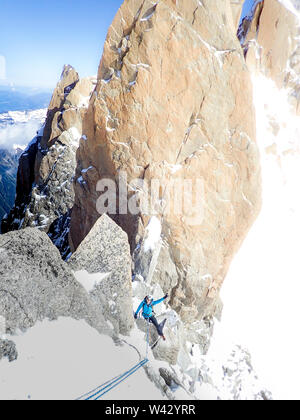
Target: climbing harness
pixel 103 389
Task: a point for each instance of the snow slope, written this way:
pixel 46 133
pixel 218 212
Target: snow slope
pixel 261 292
pixel 65 359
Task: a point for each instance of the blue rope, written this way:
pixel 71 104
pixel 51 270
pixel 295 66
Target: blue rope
pixel 100 387
pixel 117 379
pixel 144 362
pixel 111 382
pixel 148 338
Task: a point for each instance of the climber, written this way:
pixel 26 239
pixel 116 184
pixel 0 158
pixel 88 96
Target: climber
pixel 147 305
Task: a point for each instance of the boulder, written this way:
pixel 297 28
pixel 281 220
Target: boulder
pixel 106 251
pixel 35 283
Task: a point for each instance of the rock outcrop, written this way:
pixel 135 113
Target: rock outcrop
pixel 105 251
pixel 45 193
pixel 270 38
pixel 35 283
pixel 174 102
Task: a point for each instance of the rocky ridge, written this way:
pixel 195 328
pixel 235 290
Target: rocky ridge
pixel 45 193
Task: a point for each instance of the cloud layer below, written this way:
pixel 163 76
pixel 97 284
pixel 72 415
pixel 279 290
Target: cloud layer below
pixel 17 129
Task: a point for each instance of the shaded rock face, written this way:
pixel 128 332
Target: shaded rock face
pixel 45 191
pixel 8 350
pixel 106 251
pixel 35 283
pixel 270 37
pixel 174 101
pixel 59 234
pixel 8 173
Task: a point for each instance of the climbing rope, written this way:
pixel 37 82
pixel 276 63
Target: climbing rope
pixel 103 389
pixel 99 388
pixel 141 364
pixel 97 393
pixel 148 333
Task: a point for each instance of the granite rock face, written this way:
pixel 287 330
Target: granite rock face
pixel 174 102
pixel 106 251
pixel 35 283
pixel 45 193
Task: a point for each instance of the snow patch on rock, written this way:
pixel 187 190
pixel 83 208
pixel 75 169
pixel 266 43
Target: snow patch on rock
pixel 90 281
pixel 153 234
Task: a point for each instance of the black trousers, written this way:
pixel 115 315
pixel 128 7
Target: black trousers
pixel 156 324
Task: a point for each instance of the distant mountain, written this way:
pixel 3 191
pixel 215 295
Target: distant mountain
pixel 22 99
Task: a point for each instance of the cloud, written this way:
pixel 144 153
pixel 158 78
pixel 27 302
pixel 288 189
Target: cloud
pixel 19 134
pixel 18 128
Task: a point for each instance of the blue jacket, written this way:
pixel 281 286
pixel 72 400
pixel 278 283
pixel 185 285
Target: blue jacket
pixel 147 309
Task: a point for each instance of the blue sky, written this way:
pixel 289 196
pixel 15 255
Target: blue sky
pixel 37 37
pixel 247 6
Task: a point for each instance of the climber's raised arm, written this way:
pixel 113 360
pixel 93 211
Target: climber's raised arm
pixel 156 302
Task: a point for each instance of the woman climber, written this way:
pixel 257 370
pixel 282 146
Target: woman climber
pixel 147 305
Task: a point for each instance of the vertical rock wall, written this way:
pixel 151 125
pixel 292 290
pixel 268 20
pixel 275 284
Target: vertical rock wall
pixel 174 101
